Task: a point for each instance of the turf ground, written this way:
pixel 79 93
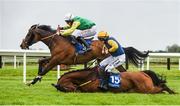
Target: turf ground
pixel 14 92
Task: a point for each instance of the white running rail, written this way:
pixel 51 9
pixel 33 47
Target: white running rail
pixel 41 53
pixel 25 54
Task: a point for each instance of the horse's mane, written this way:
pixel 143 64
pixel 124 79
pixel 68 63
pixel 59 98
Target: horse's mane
pixel 46 28
pixel 80 70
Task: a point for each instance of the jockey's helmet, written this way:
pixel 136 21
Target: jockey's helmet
pixel 103 35
pixel 69 17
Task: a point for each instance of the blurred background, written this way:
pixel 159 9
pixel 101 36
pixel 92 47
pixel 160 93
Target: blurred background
pixel 145 24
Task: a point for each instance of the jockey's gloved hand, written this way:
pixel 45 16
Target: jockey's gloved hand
pixel 61 28
pixel 60 32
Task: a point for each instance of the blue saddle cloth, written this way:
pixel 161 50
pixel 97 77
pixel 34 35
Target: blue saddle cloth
pixel 114 80
pixel 80 47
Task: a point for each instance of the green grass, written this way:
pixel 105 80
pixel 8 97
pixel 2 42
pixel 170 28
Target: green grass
pixel 14 92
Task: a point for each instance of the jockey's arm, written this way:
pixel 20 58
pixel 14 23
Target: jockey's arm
pixel 65 27
pixel 114 45
pixel 71 29
pixel 104 50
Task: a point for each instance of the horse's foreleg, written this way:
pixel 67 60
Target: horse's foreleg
pixel 52 63
pixel 42 63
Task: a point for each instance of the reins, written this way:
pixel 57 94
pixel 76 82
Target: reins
pixel 51 36
pixel 85 83
pixel 48 37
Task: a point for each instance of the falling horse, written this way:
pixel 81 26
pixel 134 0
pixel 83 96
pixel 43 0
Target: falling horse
pixel 87 80
pixel 63 52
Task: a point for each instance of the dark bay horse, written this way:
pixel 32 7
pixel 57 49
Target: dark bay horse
pixel 63 52
pixel 87 80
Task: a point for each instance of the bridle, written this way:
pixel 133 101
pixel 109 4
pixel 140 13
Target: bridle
pixel 51 36
pixel 42 39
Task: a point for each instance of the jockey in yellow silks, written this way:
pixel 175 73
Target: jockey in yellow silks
pixel 116 58
pixel 80 27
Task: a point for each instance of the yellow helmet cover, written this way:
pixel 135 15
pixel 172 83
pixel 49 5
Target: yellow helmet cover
pixel 103 34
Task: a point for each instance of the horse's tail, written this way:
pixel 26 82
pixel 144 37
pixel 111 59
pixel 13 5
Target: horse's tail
pixel 135 56
pixel 157 79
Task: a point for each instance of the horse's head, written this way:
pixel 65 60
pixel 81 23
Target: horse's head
pixel 31 37
pixel 36 33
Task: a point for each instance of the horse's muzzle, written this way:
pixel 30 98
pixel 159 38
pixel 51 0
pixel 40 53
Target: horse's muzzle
pixel 24 45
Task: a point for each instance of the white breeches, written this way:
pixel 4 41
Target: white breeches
pixel 113 62
pixel 86 34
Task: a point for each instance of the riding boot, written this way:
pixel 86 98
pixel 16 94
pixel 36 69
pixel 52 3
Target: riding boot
pixel 103 80
pixel 81 39
pixel 74 41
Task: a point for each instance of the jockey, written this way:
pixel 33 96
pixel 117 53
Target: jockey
pixel 80 27
pixel 116 58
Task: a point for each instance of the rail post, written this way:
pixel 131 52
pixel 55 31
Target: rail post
pixel 0 61
pixel 179 63
pixel 14 61
pixel 148 63
pixel 58 71
pixel 168 63
pixel 24 67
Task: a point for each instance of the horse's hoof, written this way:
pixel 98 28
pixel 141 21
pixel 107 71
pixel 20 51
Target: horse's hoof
pixel 54 85
pixel 29 83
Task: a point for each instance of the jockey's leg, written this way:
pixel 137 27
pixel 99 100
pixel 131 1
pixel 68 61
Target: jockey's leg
pixel 106 61
pixel 107 65
pixel 72 39
pixel 103 79
pixel 103 74
pixel 82 41
pixel 85 34
pixel 118 62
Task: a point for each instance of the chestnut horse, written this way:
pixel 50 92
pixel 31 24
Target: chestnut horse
pixel 87 80
pixel 63 52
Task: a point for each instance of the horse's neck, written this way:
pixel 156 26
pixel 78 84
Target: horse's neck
pixel 53 41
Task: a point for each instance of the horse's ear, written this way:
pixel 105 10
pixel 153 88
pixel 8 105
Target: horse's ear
pixel 37 25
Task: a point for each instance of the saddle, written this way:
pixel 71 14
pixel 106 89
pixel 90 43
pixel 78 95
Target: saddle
pixel 81 45
pixel 108 80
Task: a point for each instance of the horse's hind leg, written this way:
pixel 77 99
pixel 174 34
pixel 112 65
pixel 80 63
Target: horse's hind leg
pixel 146 86
pixel 166 88
pixel 146 89
pixel 159 89
pixel 155 90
